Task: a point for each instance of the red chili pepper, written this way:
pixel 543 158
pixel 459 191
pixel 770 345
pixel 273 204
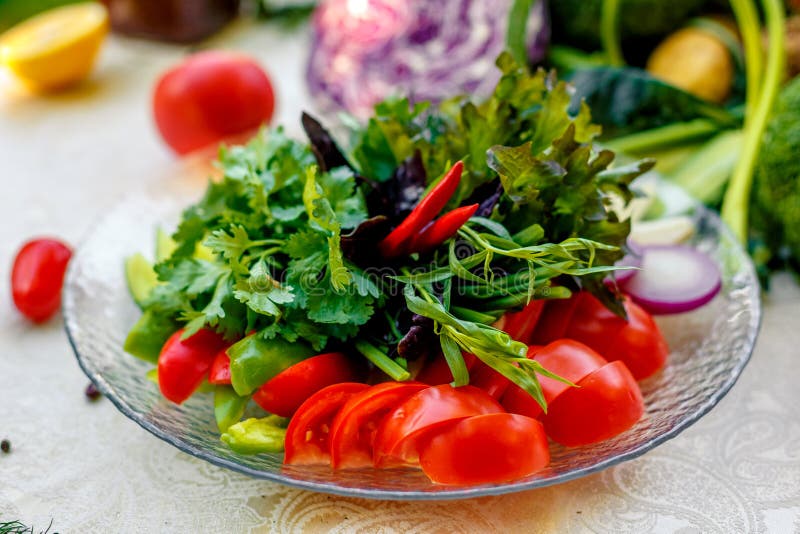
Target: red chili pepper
pixel 397 242
pixel 442 229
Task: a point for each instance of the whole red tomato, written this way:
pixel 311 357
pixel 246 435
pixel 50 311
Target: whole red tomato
pixel 37 277
pixel 210 96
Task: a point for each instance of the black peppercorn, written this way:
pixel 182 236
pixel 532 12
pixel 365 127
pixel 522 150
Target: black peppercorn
pixel 5 446
pixel 92 393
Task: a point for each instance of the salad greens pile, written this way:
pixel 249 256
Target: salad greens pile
pixel 285 245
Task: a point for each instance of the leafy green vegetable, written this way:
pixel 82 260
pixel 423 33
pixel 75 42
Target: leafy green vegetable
pixel 776 192
pixel 578 21
pixel 629 100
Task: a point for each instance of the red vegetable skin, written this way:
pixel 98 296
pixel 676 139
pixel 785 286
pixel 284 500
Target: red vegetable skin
pixel 673 279
pixel 183 363
pixel 485 449
pixel 553 321
pixel 220 372
pixel 437 371
pixel 210 96
pixel 568 359
pixel 520 325
pixel 308 435
pixel 397 437
pixel 397 243
pixel 442 229
pixel 638 341
pixel 37 277
pixel 354 427
pixel 484 377
pixel 285 392
pixel 607 403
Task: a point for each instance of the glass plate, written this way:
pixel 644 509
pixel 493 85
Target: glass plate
pixel 709 349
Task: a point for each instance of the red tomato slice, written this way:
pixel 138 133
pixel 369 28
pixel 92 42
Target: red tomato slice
pixel 568 359
pixel 220 372
pixel 484 377
pixel 554 320
pixel 396 439
pixel 183 363
pixel 285 392
pixel 308 434
pixel 437 372
pixel 354 427
pixel 485 449
pixel 520 325
pixel 607 403
pixel 638 342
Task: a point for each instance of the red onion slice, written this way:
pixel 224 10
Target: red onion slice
pixel 673 279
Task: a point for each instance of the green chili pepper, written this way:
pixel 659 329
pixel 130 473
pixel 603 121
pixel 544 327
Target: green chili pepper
pixel 255 360
pixel 254 436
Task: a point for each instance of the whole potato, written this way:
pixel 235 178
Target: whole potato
pixel 696 61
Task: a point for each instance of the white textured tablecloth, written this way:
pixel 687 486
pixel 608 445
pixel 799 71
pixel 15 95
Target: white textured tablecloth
pixel 66 159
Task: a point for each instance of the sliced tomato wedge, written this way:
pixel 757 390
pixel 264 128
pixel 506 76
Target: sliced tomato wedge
pixel 396 439
pixel 354 427
pixel 484 377
pixel 184 363
pixel 568 359
pixel 220 372
pixel 638 341
pixel 607 403
pixel 308 434
pixel 437 372
pixel 554 319
pixel 520 325
pixel 485 449
pixel 285 392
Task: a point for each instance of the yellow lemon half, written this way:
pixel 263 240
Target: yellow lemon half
pixel 56 48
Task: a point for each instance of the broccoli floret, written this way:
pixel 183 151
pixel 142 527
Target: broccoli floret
pixel 775 211
pixel 577 22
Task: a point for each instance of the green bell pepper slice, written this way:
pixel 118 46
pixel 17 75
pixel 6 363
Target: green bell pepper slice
pixel 255 360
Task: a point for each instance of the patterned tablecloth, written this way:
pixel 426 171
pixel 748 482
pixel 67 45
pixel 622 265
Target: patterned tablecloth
pixel 68 158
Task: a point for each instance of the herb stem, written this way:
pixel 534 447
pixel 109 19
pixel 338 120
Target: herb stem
pixel 382 361
pixel 734 205
pixel 609 32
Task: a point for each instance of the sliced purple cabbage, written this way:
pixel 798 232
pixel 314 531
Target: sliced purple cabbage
pixel 364 51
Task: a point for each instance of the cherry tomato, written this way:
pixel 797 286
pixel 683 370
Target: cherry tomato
pixel 285 392
pixel 220 372
pixel 568 359
pixel 437 372
pixel 607 403
pixel 520 325
pixel 308 434
pixel 37 277
pixel 184 363
pixel 485 449
pixel 396 439
pixel 354 427
pixel 638 342
pixel 210 96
